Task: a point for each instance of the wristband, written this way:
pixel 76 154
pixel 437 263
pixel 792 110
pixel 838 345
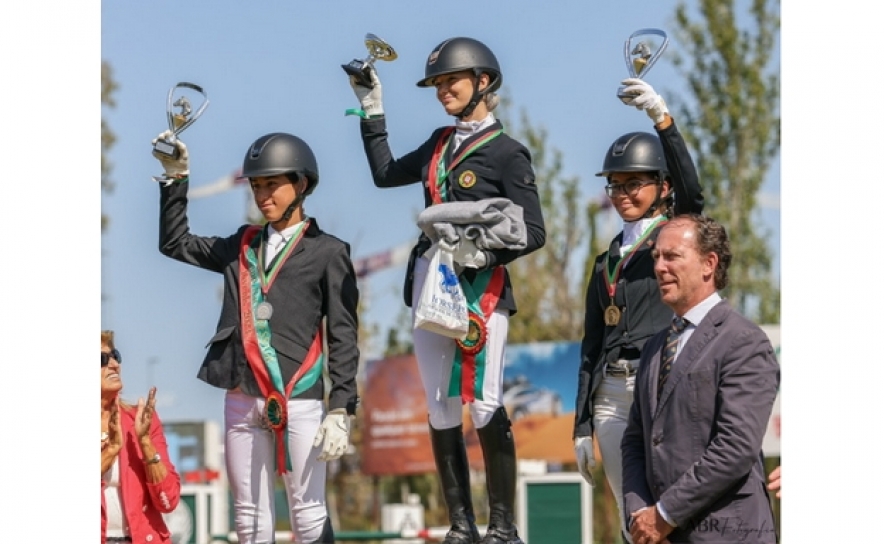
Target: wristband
pixel 153 460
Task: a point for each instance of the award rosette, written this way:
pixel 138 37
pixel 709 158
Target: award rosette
pixel 378 49
pixel 477 334
pixel 640 57
pixel 275 412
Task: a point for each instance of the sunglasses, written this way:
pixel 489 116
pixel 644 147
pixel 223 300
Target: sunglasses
pixel 106 356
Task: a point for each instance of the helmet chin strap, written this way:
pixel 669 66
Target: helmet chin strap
pixel 657 201
pixel 474 101
pixel 292 207
pixel 295 203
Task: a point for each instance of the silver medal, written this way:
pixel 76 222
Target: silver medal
pixel 264 311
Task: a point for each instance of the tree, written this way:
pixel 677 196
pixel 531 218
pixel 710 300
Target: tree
pixel 733 127
pixel 108 139
pixel 551 281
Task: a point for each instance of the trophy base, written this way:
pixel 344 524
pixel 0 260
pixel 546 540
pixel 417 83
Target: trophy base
pixel 625 97
pixel 360 71
pixel 166 148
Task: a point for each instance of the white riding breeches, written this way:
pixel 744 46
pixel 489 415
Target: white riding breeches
pixel 610 414
pixel 250 454
pixel 435 357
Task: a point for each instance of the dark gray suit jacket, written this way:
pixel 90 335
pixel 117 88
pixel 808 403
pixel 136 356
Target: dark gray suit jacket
pixel 316 282
pixel 698 450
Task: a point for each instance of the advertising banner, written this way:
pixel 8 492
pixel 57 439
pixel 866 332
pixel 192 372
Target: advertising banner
pixel 540 390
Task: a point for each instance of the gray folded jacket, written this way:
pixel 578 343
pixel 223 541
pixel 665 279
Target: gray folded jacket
pixel 493 223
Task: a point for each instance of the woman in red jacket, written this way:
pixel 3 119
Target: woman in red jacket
pixel 138 482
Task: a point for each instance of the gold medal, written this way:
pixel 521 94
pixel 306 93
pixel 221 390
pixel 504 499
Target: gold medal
pixel 612 315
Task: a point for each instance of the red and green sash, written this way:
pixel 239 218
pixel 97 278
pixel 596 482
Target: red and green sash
pixel 468 370
pixel 260 354
pixel 482 295
pixel 438 172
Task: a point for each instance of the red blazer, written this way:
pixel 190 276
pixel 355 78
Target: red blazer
pixel 144 503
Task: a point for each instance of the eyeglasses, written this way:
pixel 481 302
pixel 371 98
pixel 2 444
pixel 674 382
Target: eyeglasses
pixel 106 356
pixel 630 188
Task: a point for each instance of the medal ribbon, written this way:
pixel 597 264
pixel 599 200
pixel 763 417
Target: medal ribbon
pixel 468 368
pixel 438 173
pixel 261 355
pixel 268 278
pixel 611 276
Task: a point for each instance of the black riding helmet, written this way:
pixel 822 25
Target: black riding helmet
pixel 458 54
pixel 638 152
pixel 279 153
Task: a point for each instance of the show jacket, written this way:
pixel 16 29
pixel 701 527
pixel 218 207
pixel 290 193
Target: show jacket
pixel 499 168
pixel 643 313
pixel 317 281
pixel 698 449
pixel 144 503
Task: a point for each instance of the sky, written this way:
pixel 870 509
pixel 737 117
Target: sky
pixel 277 67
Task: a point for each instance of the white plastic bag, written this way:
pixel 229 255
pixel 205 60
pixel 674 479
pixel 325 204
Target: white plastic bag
pixel 442 308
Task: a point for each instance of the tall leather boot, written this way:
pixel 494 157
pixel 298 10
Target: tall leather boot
pixel 499 451
pixel 454 473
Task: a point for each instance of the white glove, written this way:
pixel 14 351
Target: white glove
pixel 174 166
pixel 468 255
pixel 585 457
pixel 646 99
pixel 370 99
pixel 333 435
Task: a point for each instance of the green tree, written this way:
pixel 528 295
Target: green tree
pixel 551 281
pixel 108 139
pixel 732 123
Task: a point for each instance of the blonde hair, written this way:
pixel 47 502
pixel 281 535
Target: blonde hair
pixel 491 100
pixel 107 339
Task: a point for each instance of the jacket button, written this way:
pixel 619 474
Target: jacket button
pixel 657 440
pixel 148 538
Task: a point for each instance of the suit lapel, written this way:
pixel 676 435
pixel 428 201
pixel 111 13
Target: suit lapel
pixel 691 351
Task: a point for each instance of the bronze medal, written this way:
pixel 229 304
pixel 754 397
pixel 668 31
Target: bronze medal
pixel 612 315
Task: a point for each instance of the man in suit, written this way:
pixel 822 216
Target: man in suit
pixel 289 290
pixel 692 459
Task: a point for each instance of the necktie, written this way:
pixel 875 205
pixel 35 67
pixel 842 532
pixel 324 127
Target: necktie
pixel 274 244
pixel 675 329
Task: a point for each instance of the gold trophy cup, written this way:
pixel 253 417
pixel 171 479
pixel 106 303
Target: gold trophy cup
pixel 378 49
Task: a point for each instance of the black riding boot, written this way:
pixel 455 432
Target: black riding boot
pixel 454 474
pixel 328 535
pixel 499 451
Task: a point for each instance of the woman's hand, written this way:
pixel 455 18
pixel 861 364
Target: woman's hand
pixel 144 414
pixel 111 446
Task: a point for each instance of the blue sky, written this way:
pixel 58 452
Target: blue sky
pixel 277 68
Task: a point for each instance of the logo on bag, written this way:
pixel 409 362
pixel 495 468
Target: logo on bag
pixel 467 179
pixel 449 283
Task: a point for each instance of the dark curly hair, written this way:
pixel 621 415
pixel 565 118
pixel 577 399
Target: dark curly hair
pixel 711 237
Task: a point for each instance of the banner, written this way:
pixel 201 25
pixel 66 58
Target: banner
pixel 540 391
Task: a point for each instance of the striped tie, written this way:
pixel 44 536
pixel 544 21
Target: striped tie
pixel 675 330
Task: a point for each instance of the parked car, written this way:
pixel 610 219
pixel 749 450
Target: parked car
pixel 522 398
